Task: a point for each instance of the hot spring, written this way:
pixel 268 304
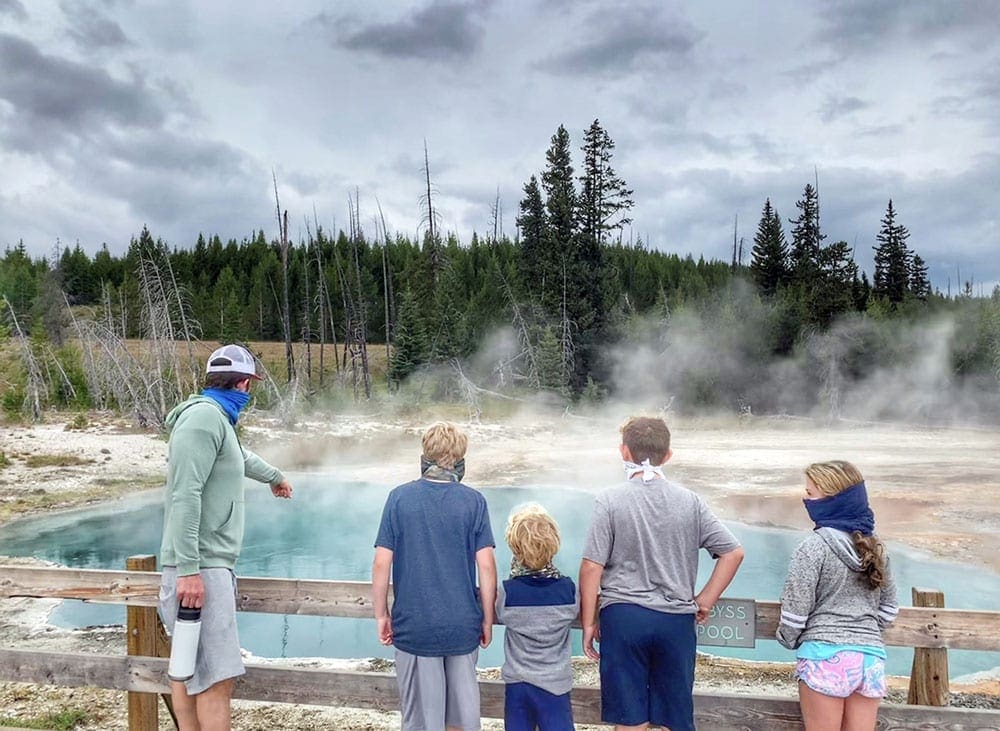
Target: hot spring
pixel 328 530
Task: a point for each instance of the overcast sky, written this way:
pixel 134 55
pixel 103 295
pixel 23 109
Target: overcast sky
pixel 119 113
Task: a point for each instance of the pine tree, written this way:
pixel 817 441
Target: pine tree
pixel 531 260
pixel 560 205
pixel 604 199
pixel 769 262
pixel 807 241
pixel 411 343
pixel 892 259
pixel 920 286
pixel 834 290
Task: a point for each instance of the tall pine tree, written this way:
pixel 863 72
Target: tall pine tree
pixel 605 199
pixel 531 259
pixel 769 263
pixel 807 240
pixel 560 205
pixel 892 259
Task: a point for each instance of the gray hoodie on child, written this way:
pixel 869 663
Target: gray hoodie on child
pixel 827 598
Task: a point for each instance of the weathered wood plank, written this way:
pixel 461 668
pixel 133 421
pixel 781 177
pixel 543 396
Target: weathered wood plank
pixel 929 673
pixel 140 640
pixel 139 589
pixel 305 596
pixel 376 690
pixel 955 629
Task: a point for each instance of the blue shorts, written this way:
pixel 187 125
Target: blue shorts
pixel 526 706
pixel 647 667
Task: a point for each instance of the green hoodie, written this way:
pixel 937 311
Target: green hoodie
pixel 203 515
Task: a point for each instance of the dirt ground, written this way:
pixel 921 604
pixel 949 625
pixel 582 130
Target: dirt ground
pixel 927 487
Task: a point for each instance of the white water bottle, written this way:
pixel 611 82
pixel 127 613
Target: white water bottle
pixel 184 644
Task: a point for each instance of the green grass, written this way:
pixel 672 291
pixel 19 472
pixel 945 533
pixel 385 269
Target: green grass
pixel 4 460
pixel 80 421
pixel 62 721
pixel 55 460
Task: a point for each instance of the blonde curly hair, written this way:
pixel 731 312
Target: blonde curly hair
pixel 532 535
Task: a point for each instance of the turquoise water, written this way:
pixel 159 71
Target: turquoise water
pixel 327 532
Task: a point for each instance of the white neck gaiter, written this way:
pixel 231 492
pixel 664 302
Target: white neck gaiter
pixel 648 471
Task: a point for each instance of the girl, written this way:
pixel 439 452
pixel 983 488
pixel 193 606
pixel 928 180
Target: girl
pixel 838 597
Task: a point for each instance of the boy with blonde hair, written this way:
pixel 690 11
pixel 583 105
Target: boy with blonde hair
pixel 641 560
pixel 537 605
pixel 434 535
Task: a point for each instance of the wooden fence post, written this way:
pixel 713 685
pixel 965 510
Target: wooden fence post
pixel 929 676
pixel 141 632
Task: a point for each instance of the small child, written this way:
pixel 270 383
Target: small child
pixel 838 597
pixel 641 555
pixel 434 537
pixel 537 605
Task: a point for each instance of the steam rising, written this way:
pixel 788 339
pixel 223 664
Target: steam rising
pixel 717 358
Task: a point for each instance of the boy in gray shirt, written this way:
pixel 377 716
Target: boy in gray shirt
pixel 537 605
pixel 641 559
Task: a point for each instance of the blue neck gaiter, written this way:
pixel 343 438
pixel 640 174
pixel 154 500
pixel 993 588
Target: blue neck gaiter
pixel 846 511
pixel 231 401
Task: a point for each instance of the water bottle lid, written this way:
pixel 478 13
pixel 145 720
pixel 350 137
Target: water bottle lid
pixel 191 614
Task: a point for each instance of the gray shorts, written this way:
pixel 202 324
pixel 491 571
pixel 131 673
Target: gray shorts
pixel 219 644
pixel 435 692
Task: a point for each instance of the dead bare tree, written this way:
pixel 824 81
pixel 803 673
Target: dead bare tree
pixel 430 216
pixel 165 324
pixel 496 211
pixel 36 388
pixel 307 307
pixel 567 346
pixel 359 329
pixel 470 392
pixel 523 334
pixel 286 319
pixel 386 287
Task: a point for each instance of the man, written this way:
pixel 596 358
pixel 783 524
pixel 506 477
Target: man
pixel 203 531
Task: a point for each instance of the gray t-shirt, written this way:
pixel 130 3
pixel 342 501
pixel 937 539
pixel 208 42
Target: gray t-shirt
pixel 647 537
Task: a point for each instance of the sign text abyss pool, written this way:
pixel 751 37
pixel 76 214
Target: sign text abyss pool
pixel 731 623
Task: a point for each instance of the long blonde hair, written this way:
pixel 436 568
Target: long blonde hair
pixel 832 478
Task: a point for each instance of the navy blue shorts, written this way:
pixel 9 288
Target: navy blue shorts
pixel 647 667
pixel 526 706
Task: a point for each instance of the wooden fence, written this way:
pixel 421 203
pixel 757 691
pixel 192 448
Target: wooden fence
pixel 143 671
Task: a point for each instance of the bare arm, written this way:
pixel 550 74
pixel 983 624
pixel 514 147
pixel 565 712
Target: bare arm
pixel 722 576
pixel 381 569
pixel 487 565
pixel 590 586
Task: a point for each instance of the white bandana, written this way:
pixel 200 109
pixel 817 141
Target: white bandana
pixel 648 471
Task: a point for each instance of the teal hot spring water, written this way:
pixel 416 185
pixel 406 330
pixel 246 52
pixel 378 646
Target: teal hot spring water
pixel 327 532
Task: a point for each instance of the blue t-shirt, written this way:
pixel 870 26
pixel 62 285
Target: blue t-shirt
pixel 434 530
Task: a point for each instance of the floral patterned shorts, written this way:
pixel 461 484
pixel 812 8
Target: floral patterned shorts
pixel 843 674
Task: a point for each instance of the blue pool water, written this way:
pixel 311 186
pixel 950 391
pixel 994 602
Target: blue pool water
pixel 327 532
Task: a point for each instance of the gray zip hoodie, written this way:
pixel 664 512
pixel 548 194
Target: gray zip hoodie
pixel 827 598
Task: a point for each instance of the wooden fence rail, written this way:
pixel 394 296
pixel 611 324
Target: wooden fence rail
pixel 378 691
pixel 954 629
pixel 915 627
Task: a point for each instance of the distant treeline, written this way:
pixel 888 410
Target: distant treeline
pixel 567 285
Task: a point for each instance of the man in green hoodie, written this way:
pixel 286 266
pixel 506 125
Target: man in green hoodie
pixel 203 531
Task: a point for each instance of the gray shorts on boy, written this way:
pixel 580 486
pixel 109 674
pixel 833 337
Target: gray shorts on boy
pixel 435 692
pixel 219 655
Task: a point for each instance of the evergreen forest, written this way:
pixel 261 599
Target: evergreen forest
pixel 571 307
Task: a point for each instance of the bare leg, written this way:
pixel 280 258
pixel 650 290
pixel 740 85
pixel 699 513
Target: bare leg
pixel 860 713
pixel 820 712
pixel 213 707
pixel 184 707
